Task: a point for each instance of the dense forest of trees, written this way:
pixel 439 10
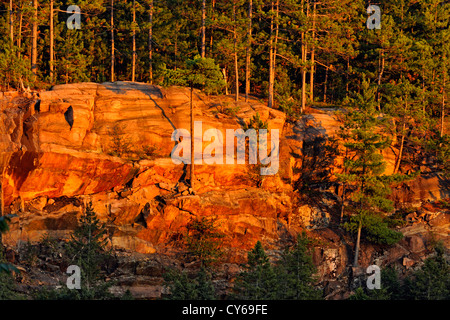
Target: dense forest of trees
pixel 290 52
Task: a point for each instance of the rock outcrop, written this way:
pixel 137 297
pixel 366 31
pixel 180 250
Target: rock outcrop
pixel 110 144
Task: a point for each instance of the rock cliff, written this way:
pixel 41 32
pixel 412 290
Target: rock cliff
pixel 110 144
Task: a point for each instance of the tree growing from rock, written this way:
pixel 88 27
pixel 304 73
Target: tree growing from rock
pixel 365 169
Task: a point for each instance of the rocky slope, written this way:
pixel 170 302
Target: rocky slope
pixel 60 149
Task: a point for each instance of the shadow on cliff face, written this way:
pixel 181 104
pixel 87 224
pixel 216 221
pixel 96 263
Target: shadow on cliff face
pixel 151 92
pixel 318 155
pixel 147 89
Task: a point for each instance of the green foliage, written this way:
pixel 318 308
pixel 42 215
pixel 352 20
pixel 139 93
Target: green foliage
pixel 183 287
pixel 289 278
pixel 201 73
pixel 120 145
pixel 256 123
pixel 258 281
pixel 14 70
pixel 364 170
pixel 375 229
pixel 5 267
pixel 432 280
pixel 295 272
pixel 87 249
pixel 203 240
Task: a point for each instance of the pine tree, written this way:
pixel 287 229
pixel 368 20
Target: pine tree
pixel 203 241
pixel 258 281
pixel 184 287
pixel 364 171
pixel 432 280
pixel 295 273
pixel 87 248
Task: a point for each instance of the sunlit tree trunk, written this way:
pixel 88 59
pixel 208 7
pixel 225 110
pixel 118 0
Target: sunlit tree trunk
pixel 51 43
pixel 113 57
pixel 150 40
pixel 34 40
pixel 249 50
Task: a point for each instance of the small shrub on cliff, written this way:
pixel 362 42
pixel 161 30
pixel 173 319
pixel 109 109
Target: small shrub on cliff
pixel 120 146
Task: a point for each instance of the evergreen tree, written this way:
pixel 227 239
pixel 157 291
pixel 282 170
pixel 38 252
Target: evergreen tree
pixel 295 273
pixel 203 241
pixel 432 280
pixel 87 250
pixel 258 281
pixel 183 287
pixel 364 171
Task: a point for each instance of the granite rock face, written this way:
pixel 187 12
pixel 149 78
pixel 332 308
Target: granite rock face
pixel 110 144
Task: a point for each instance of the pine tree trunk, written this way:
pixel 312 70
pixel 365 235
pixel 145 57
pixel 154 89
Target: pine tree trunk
pixel 113 57
pixel 270 93
pixel 249 50
pixel 236 66
pixel 192 174
pixel 150 40
pixel 443 106
pixel 380 75
pixel 34 41
pixel 325 86
pixel 342 204
pixel 358 241
pixel 51 43
pixel 203 44
pixel 11 22
pixel 304 53
pixel 133 71
pixel 402 141
pixel 19 33
pixel 311 86
pixel 273 53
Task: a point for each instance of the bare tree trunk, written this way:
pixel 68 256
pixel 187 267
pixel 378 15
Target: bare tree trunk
pixel 133 67
pixel 225 77
pixel 347 77
pixel 304 53
pixel 192 174
pixel 236 66
pixel 402 141
pixel 34 41
pixel 380 74
pixel 443 107
pixel 249 50
pixel 203 44
pixel 11 22
pixel 150 40
pixel 113 57
pixel 19 35
pixel 358 242
pixel 325 85
pixel 51 43
pixel 342 204
pixel 311 86
pixel 273 53
pixel 271 77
